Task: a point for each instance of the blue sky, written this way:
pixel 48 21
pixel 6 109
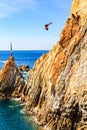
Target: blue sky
pixel 22 23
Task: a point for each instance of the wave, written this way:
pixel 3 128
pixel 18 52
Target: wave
pixel 22 111
pixel 2 61
pixel 18 105
pixel 17 99
pixel 11 106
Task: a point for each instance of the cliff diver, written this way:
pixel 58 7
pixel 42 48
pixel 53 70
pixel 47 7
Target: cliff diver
pixel 47 25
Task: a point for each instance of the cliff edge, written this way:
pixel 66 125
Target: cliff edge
pixel 11 81
pixel 57 84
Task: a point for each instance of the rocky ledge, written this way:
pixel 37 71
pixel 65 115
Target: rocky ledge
pixel 56 90
pixel 12 84
pixel 57 84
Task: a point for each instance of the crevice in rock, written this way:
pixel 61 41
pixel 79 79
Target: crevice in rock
pixel 76 117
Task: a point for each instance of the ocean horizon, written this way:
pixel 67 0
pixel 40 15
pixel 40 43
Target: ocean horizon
pixel 22 57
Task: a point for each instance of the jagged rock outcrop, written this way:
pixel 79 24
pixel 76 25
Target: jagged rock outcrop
pixel 24 68
pixel 57 84
pixel 11 81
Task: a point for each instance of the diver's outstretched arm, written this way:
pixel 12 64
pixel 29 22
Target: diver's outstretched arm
pixel 50 23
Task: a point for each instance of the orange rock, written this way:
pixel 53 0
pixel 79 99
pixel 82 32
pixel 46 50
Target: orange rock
pixel 58 83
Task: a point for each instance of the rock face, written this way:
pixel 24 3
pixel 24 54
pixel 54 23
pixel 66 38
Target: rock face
pixel 57 84
pixel 24 68
pixel 11 81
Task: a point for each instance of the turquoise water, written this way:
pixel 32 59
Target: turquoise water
pixel 11 117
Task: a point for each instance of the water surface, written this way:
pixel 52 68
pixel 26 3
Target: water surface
pixel 11 117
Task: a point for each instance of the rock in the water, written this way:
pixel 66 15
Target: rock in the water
pixel 24 68
pixel 11 80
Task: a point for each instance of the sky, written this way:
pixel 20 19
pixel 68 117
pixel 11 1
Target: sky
pixel 22 23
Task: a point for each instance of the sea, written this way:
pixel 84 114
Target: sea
pixel 11 114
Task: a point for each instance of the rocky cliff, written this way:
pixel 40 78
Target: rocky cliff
pixel 57 84
pixel 11 81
